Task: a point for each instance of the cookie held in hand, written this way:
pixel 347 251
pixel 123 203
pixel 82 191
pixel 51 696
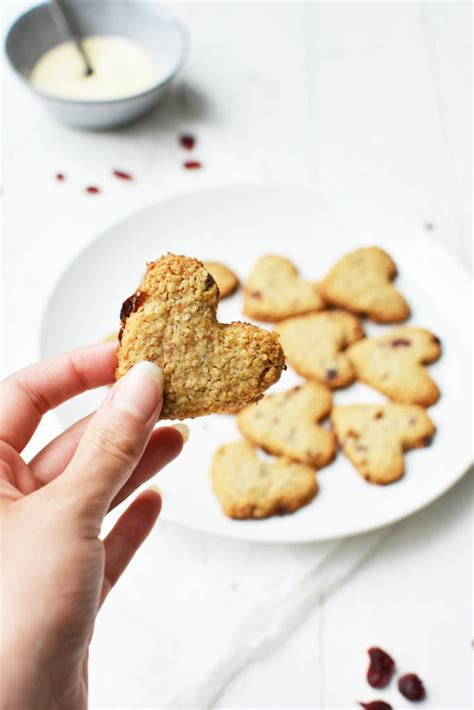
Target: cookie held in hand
pixel 207 366
pixel 314 345
pixel 361 282
pixel 249 487
pixel 394 363
pixel 227 282
pixel 287 424
pixel 275 291
pixel 374 437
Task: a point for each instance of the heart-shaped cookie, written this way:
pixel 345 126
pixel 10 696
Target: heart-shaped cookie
pixel 374 437
pixel 394 363
pixel 314 345
pixel 250 487
pixel 287 424
pixel 208 366
pixel 275 291
pixel 361 282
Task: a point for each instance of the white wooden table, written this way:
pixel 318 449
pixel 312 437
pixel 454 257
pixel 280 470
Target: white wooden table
pixel 372 99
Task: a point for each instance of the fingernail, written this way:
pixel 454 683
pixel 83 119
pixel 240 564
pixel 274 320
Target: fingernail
pixel 140 391
pixel 183 430
pixel 155 488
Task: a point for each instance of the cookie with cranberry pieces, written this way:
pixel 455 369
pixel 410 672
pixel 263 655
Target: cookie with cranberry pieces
pixel 288 424
pixel 375 436
pixel 275 291
pixel 207 366
pixel 249 487
pixel 315 345
pixel 361 281
pixel 395 364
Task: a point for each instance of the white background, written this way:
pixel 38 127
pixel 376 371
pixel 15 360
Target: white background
pixel 372 99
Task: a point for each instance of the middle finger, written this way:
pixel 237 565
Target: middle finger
pixel 164 445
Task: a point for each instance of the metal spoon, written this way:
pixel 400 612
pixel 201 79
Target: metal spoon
pixel 64 21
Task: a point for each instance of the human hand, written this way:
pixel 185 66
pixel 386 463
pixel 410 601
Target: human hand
pixel 56 571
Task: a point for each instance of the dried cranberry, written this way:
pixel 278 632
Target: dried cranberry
pixel 131 304
pixel 187 140
pixel 331 374
pixel 255 294
pixel 380 669
pixel 122 175
pixel 400 343
pixel 411 687
pixel 92 189
pixel 209 281
pixel 60 177
pixel 376 705
pixel 192 165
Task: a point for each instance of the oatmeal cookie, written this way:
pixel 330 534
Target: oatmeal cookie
pixel 207 366
pixel 249 487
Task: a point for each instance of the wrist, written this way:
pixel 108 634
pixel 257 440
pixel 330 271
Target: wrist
pixel 31 684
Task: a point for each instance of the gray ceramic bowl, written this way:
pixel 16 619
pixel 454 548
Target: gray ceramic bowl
pixel 154 29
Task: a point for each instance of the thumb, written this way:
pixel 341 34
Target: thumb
pixel 115 439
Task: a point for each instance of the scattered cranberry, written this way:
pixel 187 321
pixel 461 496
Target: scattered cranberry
pixel 255 294
pixel 380 669
pixel 411 687
pixel 122 175
pixel 192 165
pixel 187 140
pixel 376 705
pixel 400 343
pixel 60 177
pixel 92 189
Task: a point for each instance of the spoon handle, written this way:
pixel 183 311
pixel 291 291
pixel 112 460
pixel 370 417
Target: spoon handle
pixel 63 19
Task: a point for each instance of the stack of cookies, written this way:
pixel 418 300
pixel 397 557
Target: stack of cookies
pixel 320 330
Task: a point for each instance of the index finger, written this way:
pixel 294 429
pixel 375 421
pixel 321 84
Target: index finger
pixel 27 394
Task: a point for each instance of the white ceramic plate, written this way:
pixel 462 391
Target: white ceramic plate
pixel 237 225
